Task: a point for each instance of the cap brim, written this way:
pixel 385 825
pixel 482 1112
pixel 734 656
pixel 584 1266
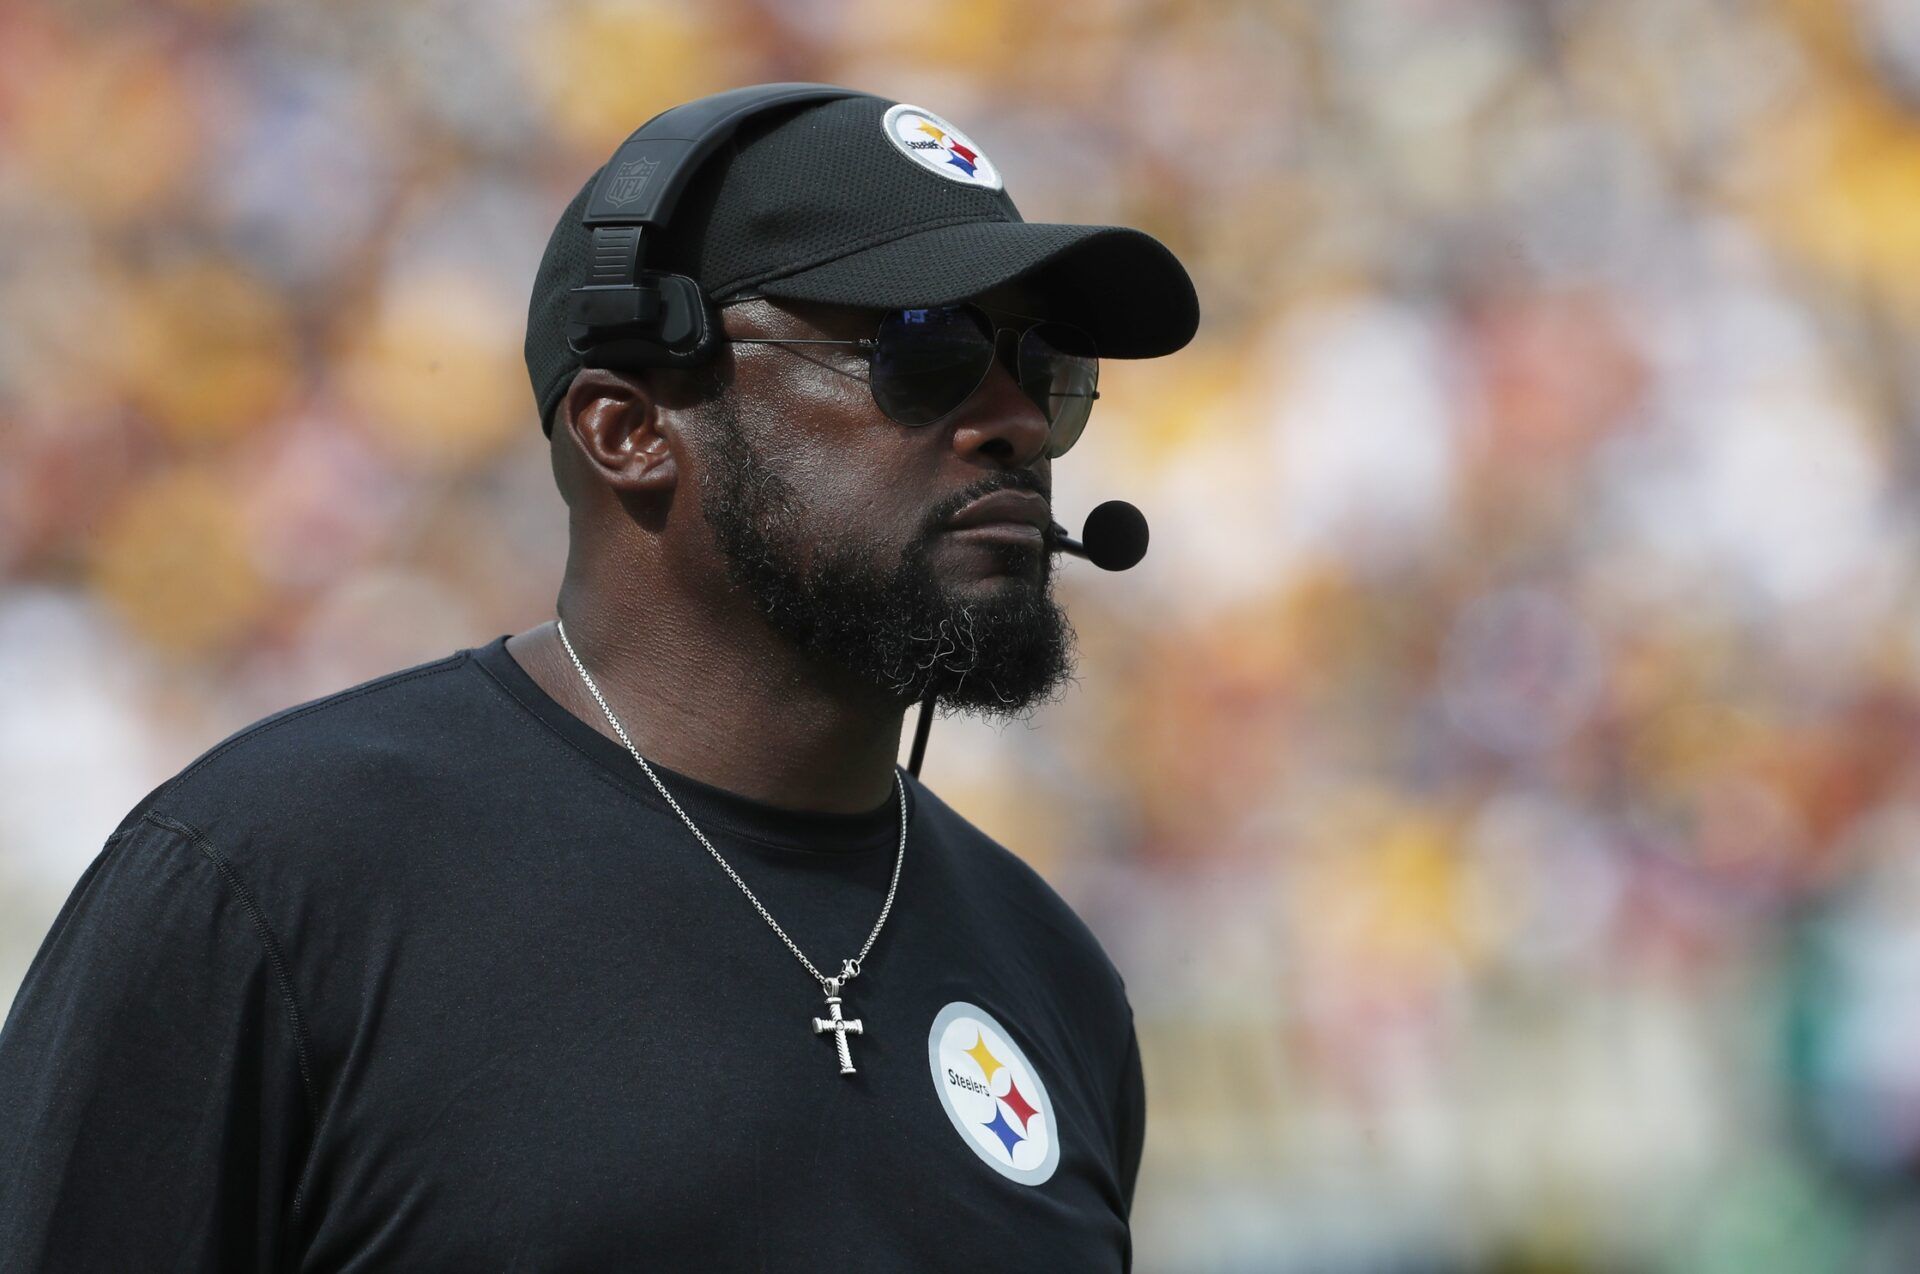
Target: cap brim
pixel 1122 285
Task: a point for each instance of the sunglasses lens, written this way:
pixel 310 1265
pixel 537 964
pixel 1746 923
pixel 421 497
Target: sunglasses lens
pixel 928 362
pixel 1059 371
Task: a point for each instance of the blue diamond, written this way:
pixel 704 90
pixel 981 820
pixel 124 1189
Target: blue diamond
pixel 1002 1129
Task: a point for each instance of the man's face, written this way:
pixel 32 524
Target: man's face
pixel 832 517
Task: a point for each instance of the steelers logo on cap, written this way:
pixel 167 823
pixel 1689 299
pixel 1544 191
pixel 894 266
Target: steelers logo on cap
pixel 936 145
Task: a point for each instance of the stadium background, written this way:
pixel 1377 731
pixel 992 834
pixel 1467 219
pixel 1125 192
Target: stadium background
pixel 1498 785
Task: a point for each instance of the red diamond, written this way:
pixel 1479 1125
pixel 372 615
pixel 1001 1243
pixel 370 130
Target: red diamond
pixel 1018 1104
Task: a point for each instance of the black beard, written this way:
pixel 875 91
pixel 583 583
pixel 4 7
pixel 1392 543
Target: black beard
pixel 998 655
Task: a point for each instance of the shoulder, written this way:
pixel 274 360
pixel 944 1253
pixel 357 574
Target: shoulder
pixel 361 748
pixel 1000 890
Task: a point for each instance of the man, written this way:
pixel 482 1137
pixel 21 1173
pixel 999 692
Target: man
pixel 625 942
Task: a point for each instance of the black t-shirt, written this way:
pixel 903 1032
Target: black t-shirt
pixel 425 976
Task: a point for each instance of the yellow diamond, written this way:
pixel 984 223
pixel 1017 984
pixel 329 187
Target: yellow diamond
pixel 988 1062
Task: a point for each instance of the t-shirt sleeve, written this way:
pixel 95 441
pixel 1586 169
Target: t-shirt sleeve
pixel 1133 1117
pixel 153 1097
pixel 1130 1123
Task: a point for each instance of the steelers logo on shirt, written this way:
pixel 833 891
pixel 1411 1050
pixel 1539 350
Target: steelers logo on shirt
pixel 992 1094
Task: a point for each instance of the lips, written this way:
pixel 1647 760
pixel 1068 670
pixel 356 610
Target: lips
pixel 1008 509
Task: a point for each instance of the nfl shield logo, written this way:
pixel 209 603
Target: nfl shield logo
pixel 629 180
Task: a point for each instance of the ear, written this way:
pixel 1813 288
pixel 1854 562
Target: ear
pixel 623 430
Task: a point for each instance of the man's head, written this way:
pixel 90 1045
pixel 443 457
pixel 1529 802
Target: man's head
pixel 830 518
pixel 827 515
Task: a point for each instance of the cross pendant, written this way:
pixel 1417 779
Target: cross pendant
pixel 838 1025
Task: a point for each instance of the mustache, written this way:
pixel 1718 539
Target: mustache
pixel 1011 480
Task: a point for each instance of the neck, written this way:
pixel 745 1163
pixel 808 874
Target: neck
pixel 721 699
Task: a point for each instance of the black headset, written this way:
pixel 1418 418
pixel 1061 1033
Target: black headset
pixel 628 317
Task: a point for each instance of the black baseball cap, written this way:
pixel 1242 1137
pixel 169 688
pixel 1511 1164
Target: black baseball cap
pixel 863 201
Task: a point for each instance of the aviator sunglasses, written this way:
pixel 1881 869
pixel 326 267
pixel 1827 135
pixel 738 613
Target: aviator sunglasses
pixel 924 364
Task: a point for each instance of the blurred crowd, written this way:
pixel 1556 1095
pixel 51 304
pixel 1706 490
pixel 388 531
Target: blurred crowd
pixel 1499 784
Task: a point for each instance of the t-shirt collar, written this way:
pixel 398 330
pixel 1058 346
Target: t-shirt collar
pixel 715 810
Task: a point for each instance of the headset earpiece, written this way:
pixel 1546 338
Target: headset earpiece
pixel 663 320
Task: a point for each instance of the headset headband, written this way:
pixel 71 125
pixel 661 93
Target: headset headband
pixel 629 317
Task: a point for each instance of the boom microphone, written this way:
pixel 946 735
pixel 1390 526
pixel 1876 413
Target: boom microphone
pixel 1115 537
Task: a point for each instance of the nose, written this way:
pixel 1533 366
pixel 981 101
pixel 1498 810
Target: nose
pixel 999 420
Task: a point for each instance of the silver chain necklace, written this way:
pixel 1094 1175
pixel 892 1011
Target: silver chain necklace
pixel 849 969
